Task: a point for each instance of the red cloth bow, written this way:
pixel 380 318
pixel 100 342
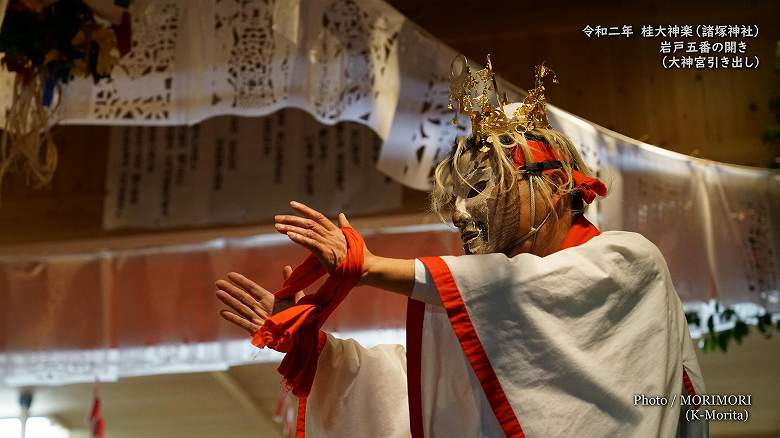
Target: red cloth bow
pixel 540 152
pixel 296 330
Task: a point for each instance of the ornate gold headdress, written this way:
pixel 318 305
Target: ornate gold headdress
pixel 471 92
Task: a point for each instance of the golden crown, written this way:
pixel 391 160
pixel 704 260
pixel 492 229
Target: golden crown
pixel 472 94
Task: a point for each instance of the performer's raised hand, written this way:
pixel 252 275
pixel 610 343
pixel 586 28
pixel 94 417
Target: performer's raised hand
pixel 315 232
pixel 326 241
pixel 249 303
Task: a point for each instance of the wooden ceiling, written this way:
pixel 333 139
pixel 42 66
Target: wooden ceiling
pixel 618 82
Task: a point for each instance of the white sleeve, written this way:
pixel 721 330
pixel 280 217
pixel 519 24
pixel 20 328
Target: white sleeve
pixel 424 289
pixel 359 391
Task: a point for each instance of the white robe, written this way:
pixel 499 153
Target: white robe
pixel 531 346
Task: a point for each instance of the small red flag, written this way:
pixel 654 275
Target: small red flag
pixel 96 424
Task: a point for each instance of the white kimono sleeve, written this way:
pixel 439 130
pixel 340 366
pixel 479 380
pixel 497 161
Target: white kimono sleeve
pixel 359 392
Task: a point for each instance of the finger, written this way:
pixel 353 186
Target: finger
pixel 314 215
pixel 311 234
pixel 343 222
pixel 237 305
pixel 238 292
pixel 258 308
pixel 286 272
pixel 312 245
pixel 239 321
pixel 301 222
pixel 248 285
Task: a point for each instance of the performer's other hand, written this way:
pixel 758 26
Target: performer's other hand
pixel 316 233
pixel 250 304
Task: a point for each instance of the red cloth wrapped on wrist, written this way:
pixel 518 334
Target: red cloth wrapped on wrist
pixel 296 330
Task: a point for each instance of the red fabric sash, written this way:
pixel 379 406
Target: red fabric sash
pixel 296 330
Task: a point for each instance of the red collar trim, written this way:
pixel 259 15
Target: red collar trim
pixel 581 231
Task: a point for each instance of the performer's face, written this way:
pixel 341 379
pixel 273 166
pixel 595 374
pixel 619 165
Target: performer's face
pixel 488 218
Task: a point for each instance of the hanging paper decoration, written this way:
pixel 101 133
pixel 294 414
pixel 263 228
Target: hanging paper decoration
pixel 47 43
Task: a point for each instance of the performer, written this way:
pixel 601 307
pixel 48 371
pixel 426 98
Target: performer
pixel 546 327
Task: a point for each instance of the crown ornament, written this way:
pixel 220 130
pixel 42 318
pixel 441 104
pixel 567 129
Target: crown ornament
pixel 477 96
